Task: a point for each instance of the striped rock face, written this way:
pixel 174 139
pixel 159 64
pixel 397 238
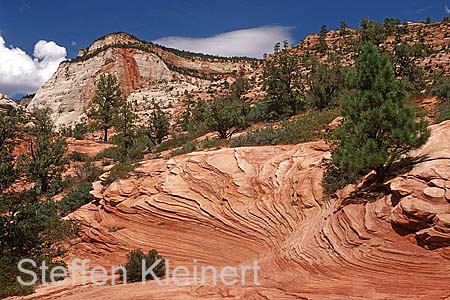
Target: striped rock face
pixel 145 72
pixel 235 206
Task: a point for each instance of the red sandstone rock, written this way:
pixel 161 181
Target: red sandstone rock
pixel 231 206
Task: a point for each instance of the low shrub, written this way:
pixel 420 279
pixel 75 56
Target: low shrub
pixel 441 87
pixel 76 198
pixel 81 185
pixel 260 112
pixel 134 265
pixel 260 137
pixel 334 179
pixel 78 132
pixel 187 148
pixel 8 283
pixel 76 156
pixel 111 153
pixel 9 286
pixel 307 127
pixel 120 170
pixel 444 111
pixel 130 148
pixel 175 142
pixel 208 143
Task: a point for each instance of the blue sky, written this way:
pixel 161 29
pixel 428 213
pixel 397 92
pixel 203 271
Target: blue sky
pixel 75 24
pixel 24 22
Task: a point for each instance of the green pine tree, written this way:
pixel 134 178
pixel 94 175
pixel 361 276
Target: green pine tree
pixel 45 162
pixel 158 125
pixel 228 114
pixel 240 86
pixel 9 129
pixel 106 103
pixel 391 25
pixel 372 31
pixel 405 67
pixel 282 84
pixel 325 82
pixel 128 139
pixel 380 124
pixel 322 47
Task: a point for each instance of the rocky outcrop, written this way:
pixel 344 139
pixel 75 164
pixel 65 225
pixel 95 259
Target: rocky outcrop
pixel 423 195
pixel 70 90
pixel 232 206
pixel 6 103
pixel 140 67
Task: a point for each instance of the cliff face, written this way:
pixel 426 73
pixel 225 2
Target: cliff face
pixel 140 67
pixel 232 206
pixel 71 88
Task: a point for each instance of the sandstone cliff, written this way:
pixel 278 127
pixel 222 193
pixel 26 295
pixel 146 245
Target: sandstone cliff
pixel 145 72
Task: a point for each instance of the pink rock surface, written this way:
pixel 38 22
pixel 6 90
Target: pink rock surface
pixel 232 206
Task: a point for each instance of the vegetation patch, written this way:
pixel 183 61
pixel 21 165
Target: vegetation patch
pixel 308 127
pixel 134 265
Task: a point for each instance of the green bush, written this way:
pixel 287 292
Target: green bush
pixel 372 31
pixel 208 143
pixel 306 128
pixel 326 81
pixel 228 115
pixel 444 111
pixel 441 88
pixel 129 148
pixel 158 125
pixel 76 198
pixel 281 81
pixel 134 265
pixel 81 185
pixel 334 179
pixel 175 142
pixel 78 132
pixel 120 170
pixel 111 152
pixel 187 148
pixel 195 117
pixel 76 156
pixel 260 112
pixel 260 137
pixel 9 286
pixel 30 225
pixel 87 173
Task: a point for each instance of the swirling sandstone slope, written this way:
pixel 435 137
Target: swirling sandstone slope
pixel 232 206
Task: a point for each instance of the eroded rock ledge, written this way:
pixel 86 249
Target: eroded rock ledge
pixel 423 194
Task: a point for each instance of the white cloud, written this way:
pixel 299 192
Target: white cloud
pixel 22 73
pixel 253 42
pixel 447 9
